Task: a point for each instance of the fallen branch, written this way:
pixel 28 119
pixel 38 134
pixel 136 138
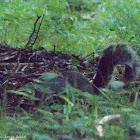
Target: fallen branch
pixel 103 121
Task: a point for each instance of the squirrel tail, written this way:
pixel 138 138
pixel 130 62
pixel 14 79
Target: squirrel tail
pixel 112 56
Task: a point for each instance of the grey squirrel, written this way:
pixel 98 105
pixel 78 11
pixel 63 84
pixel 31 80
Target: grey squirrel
pixel 112 56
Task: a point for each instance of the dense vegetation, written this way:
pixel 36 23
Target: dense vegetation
pixel 79 27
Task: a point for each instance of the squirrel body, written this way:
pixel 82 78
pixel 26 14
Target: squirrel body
pixel 112 56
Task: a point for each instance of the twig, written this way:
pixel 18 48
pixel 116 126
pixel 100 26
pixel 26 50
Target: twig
pixel 103 121
pixel 27 45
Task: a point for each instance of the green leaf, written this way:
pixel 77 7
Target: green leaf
pixel 23 93
pixel 116 85
pixel 49 76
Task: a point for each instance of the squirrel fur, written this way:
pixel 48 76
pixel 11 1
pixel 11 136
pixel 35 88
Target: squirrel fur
pixel 112 56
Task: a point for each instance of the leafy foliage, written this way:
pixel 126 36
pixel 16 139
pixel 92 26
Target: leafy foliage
pixel 69 25
pixel 65 27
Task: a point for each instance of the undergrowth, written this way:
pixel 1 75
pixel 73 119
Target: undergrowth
pixel 71 27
